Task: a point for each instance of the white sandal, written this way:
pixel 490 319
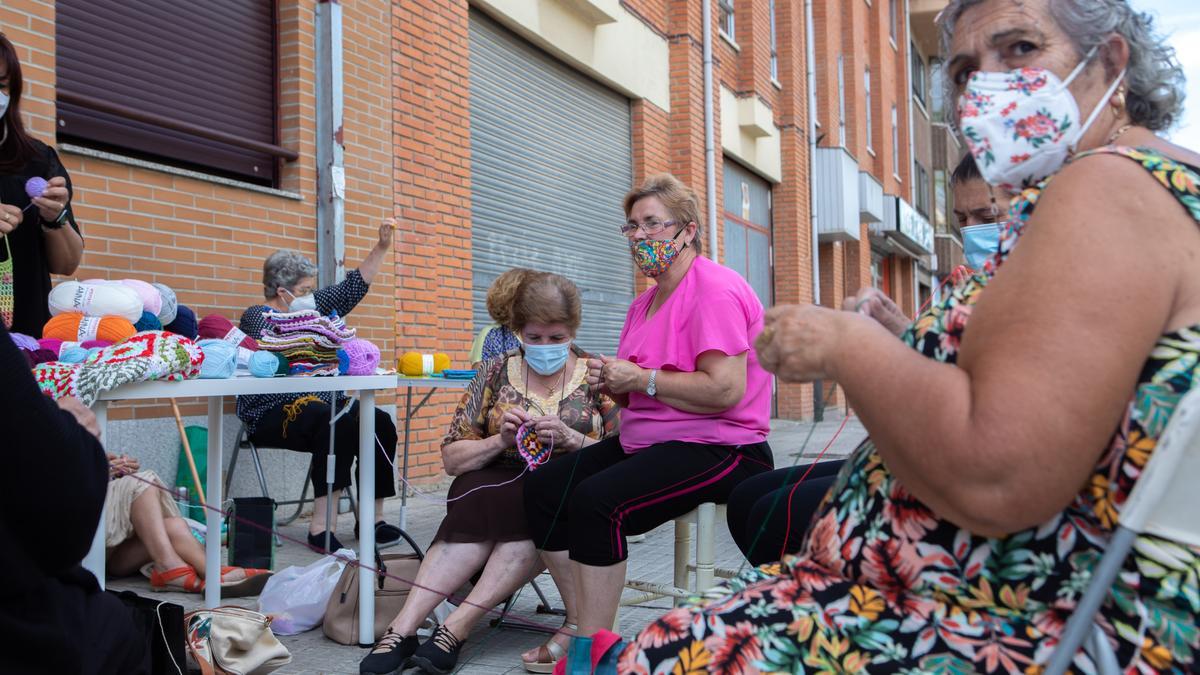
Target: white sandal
pixel 551 649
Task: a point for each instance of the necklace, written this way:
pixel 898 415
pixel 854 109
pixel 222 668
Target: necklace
pixel 550 389
pixel 1118 133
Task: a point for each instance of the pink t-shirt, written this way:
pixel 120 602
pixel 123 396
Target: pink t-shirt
pixel 713 309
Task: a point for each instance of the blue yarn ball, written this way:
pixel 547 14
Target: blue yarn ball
pixel 185 323
pixel 264 364
pixel 147 322
pixel 73 355
pixel 220 359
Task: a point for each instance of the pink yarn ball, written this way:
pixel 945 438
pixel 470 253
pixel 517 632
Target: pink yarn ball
pixel 89 344
pixel 53 344
pixel 35 187
pixel 358 357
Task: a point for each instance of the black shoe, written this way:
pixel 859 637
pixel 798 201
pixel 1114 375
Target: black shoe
pixel 439 654
pixel 386 534
pixel 318 541
pixel 389 655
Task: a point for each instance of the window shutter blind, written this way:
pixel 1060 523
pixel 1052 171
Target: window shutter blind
pixel 188 82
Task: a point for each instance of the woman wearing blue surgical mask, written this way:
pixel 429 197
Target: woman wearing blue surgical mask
pixel 38 236
pixel 542 385
pixel 961 535
pixel 301 421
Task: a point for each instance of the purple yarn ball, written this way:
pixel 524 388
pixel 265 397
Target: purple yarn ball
pixel 35 187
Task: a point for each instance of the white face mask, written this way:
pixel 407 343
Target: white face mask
pixel 302 302
pixel 4 99
pixel 1022 125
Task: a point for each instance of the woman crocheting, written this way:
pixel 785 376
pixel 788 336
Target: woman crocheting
pixel 538 390
pixel 145 532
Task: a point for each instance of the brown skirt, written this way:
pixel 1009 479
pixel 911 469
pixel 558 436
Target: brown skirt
pixel 488 513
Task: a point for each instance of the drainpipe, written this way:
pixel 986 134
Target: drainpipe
pixel 912 146
pixel 710 151
pixel 331 172
pixel 811 57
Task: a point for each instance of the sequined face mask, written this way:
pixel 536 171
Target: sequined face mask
pixel 654 256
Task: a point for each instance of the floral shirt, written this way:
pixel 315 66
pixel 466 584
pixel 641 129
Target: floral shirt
pixel 881 584
pixel 500 386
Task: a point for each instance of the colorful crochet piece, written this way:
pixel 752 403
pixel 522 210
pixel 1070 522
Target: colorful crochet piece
pixel 530 448
pixel 306 339
pixel 7 296
pixel 153 355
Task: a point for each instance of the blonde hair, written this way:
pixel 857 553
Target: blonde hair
pixel 547 298
pixel 679 199
pixel 503 292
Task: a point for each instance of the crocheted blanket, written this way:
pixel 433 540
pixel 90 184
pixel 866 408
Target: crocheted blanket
pixel 307 339
pixel 150 355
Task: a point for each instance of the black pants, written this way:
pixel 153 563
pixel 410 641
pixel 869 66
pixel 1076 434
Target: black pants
pixel 587 502
pixel 309 432
pixel 763 505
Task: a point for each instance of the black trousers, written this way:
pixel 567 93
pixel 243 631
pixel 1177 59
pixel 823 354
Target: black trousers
pixel 762 506
pixel 587 502
pixel 304 426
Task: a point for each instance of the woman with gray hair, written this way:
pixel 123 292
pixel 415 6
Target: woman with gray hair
pixel 960 536
pixel 301 421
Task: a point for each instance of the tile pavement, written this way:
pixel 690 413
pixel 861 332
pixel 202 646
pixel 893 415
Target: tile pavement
pixel 492 651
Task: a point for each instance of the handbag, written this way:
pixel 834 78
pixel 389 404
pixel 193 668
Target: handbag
pixel 233 641
pixel 162 624
pixel 341 613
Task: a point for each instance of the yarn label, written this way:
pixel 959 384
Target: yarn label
pixel 234 336
pixel 82 299
pixel 243 356
pixel 427 364
pixel 89 326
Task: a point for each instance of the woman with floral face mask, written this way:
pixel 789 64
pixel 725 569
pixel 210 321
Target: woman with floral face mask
pixel 960 536
pixel 694 419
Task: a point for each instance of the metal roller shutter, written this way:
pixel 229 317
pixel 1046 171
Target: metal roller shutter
pixel 550 163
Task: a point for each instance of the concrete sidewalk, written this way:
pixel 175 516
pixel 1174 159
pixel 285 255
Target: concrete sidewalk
pixel 497 650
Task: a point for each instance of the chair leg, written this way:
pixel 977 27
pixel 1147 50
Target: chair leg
pixel 233 458
pixel 706 517
pixel 683 541
pixel 300 502
pixel 262 477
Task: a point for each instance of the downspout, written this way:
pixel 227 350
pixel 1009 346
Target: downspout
pixel 811 77
pixel 331 172
pixel 710 151
pixel 912 147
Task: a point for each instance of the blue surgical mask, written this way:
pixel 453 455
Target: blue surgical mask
pixel 979 243
pixel 547 359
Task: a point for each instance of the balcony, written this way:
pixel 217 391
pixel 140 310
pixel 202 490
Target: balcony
pixel 837 198
pixel 870 198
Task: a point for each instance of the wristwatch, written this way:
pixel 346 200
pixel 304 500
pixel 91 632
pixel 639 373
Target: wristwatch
pixel 58 222
pixel 651 389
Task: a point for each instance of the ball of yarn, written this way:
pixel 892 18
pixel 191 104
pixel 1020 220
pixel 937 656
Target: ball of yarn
pixel 76 326
pixel 184 323
pixel 36 186
pixel 51 344
pixel 266 364
pixel 95 300
pixel 148 294
pixel 217 327
pixel 43 356
pixel 220 359
pixel 74 354
pixel 147 322
pixel 440 362
pixel 95 344
pixel 169 303
pixel 358 357
pixel 414 364
pixel 24 341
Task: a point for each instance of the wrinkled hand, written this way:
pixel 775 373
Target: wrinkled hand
pixel 552 431
pixel 799 342
pixel 872 302
pixel 10 218
pixel 386 230
pixel 512 420
pixel 52 202
pixel 122 465
pixel 619 376
pixel 82 414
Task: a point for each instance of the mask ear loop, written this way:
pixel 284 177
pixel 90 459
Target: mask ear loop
pixel 1100 106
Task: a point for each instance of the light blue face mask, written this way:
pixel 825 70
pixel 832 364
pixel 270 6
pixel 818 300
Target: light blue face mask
pixel 979 243
pixel 547 359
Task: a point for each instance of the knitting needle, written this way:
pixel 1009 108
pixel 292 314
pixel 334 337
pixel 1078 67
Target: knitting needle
pixel 187 450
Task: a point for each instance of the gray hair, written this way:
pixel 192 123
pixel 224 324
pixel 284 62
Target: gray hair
pixel 1153 78
pixel 285 269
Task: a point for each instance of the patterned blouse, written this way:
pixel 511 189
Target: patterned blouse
pixel 342 298
pixel 498 342
pixel 881 584
pixel 499 386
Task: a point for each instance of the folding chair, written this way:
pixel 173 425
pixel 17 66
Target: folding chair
pixel 1163 503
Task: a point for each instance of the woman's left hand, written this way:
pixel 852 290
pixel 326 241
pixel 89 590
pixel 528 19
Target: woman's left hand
pixel 552 431
pixel 621 377
pixel 52 202
pixel 386 230
pixel 799 342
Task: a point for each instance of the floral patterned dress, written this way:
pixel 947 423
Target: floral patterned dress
pixel 881 584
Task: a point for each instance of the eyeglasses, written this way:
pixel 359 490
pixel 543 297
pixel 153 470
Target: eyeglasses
pixel 650 227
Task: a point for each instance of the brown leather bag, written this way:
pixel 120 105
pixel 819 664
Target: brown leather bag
pixel 341 614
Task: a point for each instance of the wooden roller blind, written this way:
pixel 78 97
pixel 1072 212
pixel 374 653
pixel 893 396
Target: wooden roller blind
pixel 191 83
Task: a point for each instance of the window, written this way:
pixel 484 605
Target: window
pixel 774 43
pixel 918 73
pixel 841 75
pixel 895 142
pixel 145 79
pixel 939 199
pixel 921 189
pixel 725 18
pixel 867 97
pixel 937 91
pixel 894 15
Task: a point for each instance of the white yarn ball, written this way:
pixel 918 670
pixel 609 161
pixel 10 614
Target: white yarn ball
pixel 96 300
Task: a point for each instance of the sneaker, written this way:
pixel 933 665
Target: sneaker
pixel 439 654
pixel 389 655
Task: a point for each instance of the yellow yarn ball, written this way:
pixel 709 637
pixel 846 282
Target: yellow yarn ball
pixel 411 364
pixel 414 364
pixel 440 362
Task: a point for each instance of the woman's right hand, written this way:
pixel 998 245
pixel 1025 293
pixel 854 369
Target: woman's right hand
pixel 872 302
pixel 512 420
pixel 10 218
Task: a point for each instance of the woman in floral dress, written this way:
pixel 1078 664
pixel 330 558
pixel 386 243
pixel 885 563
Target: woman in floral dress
pixel 961 536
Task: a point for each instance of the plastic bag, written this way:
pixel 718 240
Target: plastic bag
pixel 295 597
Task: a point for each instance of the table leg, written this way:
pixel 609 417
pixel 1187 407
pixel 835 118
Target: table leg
pixel 330 467
pixel 94 560
pixel 212 538
pixel 408 413
pixel 366 517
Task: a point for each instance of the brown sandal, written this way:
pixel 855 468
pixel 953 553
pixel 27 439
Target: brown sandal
pixel 182 578
pixel 548 654
pixel 239 582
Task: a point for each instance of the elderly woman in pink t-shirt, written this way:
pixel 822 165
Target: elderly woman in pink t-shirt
pixel 694 420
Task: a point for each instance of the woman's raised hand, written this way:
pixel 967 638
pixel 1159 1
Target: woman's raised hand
pixel 872 302
pixel 512 420
pixel 53 200
pixel 618 376
pixel 386 230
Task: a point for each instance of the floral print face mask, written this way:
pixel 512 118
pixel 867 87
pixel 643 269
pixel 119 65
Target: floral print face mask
pixel 1022 125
